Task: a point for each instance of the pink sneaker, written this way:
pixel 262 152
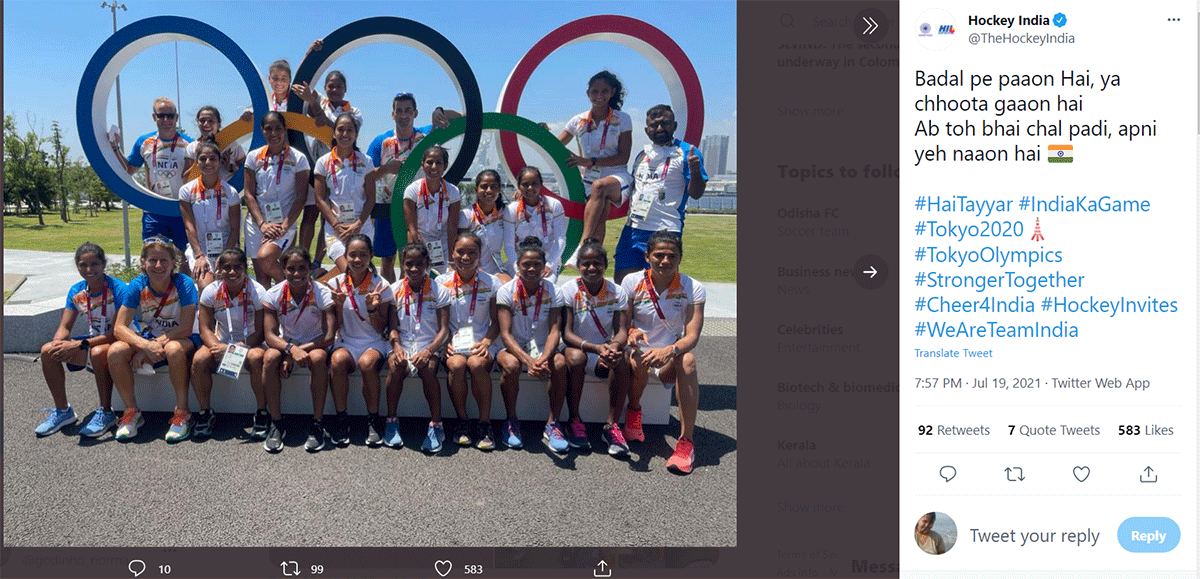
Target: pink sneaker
pixel 683 458
pixel 633 426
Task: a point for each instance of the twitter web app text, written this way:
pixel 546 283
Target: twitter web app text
pixel 1048 277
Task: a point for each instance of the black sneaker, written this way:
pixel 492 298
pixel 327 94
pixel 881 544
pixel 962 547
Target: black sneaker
pixel 373 436
pixel 274 442
pixel 205 419
pixel 316 437
pixel 485 437
pixel 462 433
pixel 339 434
pixel 262 422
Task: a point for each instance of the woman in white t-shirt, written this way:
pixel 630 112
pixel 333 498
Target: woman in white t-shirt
pixel 532 214
pixel 530 319
pixel 595 330
pixel 419 330
pixel 605 134
pixel 345 187
pixel 212 213
pixel 365 306
pixel 276 189
pixel 473 345
pixel 485 218
pixel 208 120
pixel 431 208
pixel 667 309
pixel 300 324
pixel 230 314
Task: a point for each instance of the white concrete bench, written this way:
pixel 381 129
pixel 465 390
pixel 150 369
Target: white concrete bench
pixel 154 393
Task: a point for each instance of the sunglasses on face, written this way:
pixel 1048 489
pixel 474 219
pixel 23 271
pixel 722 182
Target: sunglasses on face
pixel 165 115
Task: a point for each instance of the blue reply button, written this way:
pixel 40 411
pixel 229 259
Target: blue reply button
pixel 1148 534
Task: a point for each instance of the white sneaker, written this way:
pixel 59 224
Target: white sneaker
pixel 128 426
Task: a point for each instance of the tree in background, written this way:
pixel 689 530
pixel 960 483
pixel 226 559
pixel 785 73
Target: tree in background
pixel 60 167
pixel 27 177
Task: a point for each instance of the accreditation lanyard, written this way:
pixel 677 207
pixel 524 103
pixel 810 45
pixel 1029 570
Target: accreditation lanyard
pixel 262 158
pixel 665 167
pixel 335 163
pixel 396 144
pixel 591 306
pixel 604 133
pixel 481 218
pixel 654 294
pixel 342 108
pixel 537 300
pixel 350 291
pixel 406 297
pixel 287 299
pixel 541 207
pixel 103 308
pixel 154 155
pixel 217 192
pixel 427 198
pixel 474 292
pixel 242 295
pixel 163 302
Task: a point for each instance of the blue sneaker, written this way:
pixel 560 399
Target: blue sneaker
pixel 56 419
pixel 554 438
pixel 434 438
pixel 391 434
pixel 512 434
pixel 100 423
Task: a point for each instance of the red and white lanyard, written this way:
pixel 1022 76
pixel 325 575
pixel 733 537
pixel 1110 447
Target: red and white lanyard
pixel 474 291
pixel 427 198
pixel 396 144
pixel 103 308
pixel 350 291
pixel 243 295
pixel 335 163
pixel 541 207
pixel 591 306
pixel 666 165
pixel 482 219
pixel 522 294
pixel 604 134
pixel 262 158
pixel 287 299
pixel 217 191
pixel 406 297
pixel 654 295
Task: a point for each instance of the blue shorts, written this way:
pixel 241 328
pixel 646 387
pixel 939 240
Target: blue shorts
pixel 631 249
pixel 167 226
pixel 384 243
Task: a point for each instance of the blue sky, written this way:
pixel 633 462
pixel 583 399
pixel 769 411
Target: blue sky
pixel 57 39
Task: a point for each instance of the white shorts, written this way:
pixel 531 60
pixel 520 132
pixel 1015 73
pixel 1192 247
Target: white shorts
pixel 334 247
pixel 493 349
pixel 623 177
pixel 357 348
pixel 254 238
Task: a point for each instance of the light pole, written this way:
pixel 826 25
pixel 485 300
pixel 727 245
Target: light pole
pixel 121 132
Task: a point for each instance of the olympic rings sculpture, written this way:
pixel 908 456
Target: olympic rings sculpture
pixel 510 124
pixel 663 53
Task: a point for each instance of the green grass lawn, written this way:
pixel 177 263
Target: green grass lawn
pixel 710 241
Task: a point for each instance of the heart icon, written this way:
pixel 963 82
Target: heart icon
pixel 1082 472
pixel 443 567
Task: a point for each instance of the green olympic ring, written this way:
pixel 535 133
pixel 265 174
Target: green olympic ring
pixel 495 122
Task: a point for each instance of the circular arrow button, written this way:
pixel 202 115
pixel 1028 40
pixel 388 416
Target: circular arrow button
pixel 870 271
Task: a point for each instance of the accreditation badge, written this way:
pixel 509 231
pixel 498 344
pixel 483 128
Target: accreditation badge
pixel 214 243
pixel 272 212
pixel 464 339
pixel 347 213
pixel 232 361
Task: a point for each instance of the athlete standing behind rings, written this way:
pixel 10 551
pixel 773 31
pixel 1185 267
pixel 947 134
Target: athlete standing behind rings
pixel 345 185
pixel 485 218
pixel 208 120
pixel 667 309
pixel 389 151
pixel 212 216
pixel 473 345
pixel 98 296
pixel 276 187
pixel 164 305
pixel 606 138
pixel 279 75
pixel 300 324
pixel 365 303
pixel 532 214
pixel 595 331
pixel 230 313
pixel 431 208
pixel 164 154
pixel 530 318
pixel 419 330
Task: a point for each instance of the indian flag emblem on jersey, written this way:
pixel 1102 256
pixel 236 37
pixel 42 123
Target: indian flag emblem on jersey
pixel 1060 153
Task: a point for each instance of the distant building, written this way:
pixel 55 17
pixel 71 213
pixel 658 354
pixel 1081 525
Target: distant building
pixel 715 149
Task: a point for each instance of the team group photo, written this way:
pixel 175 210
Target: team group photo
pixel 504 306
